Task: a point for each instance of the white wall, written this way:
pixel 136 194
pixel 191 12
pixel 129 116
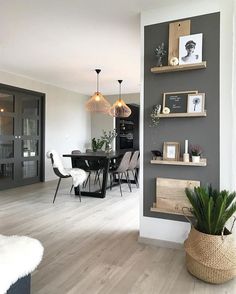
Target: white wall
pixel 105 122
pixel 172 230
pixel 68 125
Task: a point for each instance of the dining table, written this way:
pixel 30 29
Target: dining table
pixel 100 158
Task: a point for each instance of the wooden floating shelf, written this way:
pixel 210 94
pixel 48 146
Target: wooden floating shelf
pixel 183 67
pixel 203 162
pixel 170 115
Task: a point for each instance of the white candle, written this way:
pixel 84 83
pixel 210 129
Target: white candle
pixel 186 146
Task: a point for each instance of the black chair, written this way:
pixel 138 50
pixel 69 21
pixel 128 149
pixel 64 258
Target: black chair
pixel 121 170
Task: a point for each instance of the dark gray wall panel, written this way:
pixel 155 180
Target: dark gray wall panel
pixel 203 131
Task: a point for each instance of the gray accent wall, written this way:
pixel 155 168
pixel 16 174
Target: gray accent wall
pixel 203 131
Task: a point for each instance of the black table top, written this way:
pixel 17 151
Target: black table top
pixel 93 155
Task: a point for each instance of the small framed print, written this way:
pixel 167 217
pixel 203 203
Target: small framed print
pixel 190 49
pixel 177 101
pixel 171 151
pixel 196 103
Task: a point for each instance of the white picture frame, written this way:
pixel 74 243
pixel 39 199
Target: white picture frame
pixel 190 49
pixel 196 103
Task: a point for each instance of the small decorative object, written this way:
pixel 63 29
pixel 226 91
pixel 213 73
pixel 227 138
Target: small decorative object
pixel 155 115
pixel 196 103
pixel 171 151
pixel 196 151
pixel 156 154
pixel 177 101
pixel 174 61
pixel 186 154
pixel 160 54
pixel 190 49
pixel 210 247
pixel 97 144
pixel 108 138
pixel 166 110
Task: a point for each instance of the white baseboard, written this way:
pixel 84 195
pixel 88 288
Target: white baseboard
pixel 161 243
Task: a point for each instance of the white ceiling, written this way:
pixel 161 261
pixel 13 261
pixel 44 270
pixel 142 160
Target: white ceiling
pixel 61 42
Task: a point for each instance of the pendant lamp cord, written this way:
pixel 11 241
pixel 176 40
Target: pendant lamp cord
pixel 120 81
pixel 97 71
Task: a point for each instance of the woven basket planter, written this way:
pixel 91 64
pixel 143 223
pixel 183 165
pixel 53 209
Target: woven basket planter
pixel 211 258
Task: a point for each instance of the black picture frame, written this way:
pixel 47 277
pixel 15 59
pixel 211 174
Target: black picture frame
pixel 177 102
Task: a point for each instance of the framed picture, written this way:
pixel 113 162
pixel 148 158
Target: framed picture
pixel 196 103
pixel 190 49
pixel 177 101
pixel 171 151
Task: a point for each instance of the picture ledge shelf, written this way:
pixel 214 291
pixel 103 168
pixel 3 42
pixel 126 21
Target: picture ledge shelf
pixel 185 114
pixel 183 67
pixel 203 162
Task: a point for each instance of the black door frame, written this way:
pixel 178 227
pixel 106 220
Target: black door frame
pixel 42 141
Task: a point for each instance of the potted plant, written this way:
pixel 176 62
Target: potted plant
pixel 210 247
pixel 108 138
pixel 97 144
pixel 196 151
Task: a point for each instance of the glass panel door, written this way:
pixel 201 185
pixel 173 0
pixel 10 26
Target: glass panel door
pixel 20 137
pixel 30 138
pixel 7 138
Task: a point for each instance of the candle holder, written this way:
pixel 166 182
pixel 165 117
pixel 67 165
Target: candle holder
pixel 186 157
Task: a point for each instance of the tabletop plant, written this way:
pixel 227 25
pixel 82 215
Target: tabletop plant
pixel 160 53
pixel 155 115
pixel 97 144
pixel 108 137
pixel 196 150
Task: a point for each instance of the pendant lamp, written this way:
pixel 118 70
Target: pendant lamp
pixel 119 108
pixel 98 103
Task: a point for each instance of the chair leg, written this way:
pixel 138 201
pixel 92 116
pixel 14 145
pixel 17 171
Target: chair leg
pixel 120 185
pixel 128 181
pixel 58 184
pixel 71 188
pixel 135 178
pixel 111 181
pixel 79 193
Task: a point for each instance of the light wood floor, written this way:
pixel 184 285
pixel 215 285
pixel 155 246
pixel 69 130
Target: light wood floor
pixel 91 247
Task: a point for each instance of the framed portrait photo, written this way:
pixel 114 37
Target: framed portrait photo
pixel 176 101
pixel 190 49
pixel 171 151
pixel 196 103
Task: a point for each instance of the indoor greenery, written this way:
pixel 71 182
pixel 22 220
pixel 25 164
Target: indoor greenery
pixel 196 150
pixel 211 208
pixel 97 144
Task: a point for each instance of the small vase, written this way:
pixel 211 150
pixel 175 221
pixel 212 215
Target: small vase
pixel 195 159
pixel 159 61
pixel 108 148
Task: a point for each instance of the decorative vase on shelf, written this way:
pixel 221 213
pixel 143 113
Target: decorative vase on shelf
pixel 195 159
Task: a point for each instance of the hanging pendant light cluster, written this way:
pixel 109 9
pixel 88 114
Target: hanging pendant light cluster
pixel 119 108
pixel 98 103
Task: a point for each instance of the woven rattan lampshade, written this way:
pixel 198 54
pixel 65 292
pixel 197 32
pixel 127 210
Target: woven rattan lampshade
pixel 119 108
pixel 98 103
